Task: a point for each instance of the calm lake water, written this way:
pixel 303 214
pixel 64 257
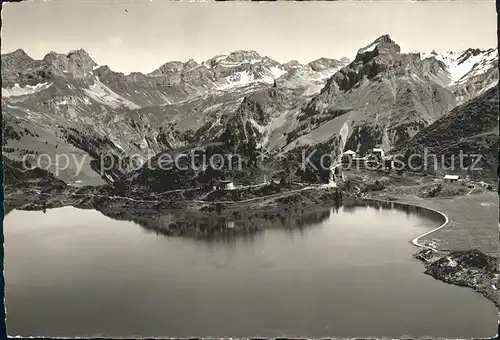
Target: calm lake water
pixel 348 272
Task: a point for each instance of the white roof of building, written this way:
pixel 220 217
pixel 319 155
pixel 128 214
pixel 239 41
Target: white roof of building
pixel 377 150
pixel 451 176
pixel 349 152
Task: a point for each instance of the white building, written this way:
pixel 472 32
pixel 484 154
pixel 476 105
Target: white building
pixel 224 185
pixel 348 156
pixel 379 152
pixel 227 185
pixel 451 178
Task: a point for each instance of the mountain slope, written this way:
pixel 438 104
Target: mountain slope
pixel 471 72
pixel 470 129
pixel 384 95
pixel 69 105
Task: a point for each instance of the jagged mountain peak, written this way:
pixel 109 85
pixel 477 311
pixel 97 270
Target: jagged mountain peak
pixel 105 71
pixel 292 64
pixel 104 68
pixel 17 59
pixel 385 38
pixel 470 53
pixel 381 55
pixel 382 45
pixel 239 58
pixel 190 64
pixel 80 53
pixel 51 55
pixel 243 55
pixel 216 64
pixel 78 63
pixel 471 62
pixel 467 53
pixel 325 63
pixel 19 68
pixel 19 53
pixel 384 96
pixel 169 67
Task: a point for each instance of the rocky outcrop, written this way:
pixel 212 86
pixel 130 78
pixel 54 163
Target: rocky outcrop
pixel 18 68
pixel 249 124
pixel 385 96
pixel 470 268
pixel 428 255
pixel 323 64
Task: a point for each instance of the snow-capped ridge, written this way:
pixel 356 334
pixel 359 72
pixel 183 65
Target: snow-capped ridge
pixel 471 62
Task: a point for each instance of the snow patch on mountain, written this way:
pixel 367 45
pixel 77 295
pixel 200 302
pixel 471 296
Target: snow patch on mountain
pixel 305 77
pixel 17 91
pixel 244 78
pixel 466 64
pixel 104 95
pixel 369 48
pixel 277 72
pixel 267 131
pixel 235 80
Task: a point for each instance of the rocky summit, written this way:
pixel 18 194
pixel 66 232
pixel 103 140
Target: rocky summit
pixel 244 102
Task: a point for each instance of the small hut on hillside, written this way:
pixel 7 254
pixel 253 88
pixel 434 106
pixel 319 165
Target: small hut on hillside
pixel 224 185
pixel 451 178
pixel 378 153
pixel 348 156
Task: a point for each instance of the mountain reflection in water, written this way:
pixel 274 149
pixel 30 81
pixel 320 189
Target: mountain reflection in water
pixel 220 228
pixel 329 271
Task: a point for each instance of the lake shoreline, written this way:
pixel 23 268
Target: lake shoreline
pixel 302 250
pixel 457 267
pixel 283 204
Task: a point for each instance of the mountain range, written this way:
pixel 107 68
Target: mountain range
pixel 240 101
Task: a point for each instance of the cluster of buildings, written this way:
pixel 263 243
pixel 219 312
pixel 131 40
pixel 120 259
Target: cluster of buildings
pixel 375 157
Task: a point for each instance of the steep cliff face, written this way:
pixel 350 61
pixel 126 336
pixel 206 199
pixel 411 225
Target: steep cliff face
pixel 259 118
pixel 384 95
pixel 18 68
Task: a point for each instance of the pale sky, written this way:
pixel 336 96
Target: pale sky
pixel 153 32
